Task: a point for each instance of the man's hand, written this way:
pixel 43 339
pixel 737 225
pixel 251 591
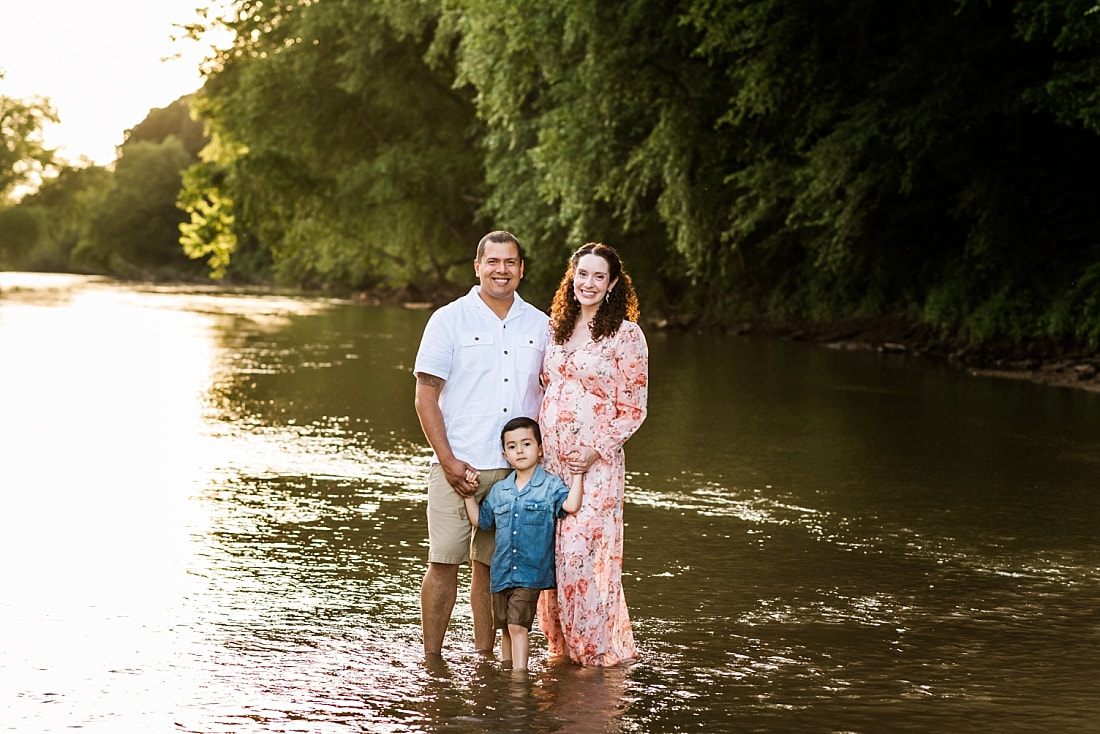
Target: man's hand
pixel 462 477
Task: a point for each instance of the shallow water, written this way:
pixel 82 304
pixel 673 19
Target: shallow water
pixel 211 520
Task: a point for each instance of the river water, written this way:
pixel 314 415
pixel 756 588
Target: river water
pixel 212 520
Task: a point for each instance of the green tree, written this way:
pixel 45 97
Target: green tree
pixel 602 126
pixel 340 149
pixel 761 158
pixel 135 230
pixel 211 232
pixel 23 154
pixel 63 206
pixel 916 171
pixel 129 223
pixel 18 233
pixel 804 159
pixel 176 119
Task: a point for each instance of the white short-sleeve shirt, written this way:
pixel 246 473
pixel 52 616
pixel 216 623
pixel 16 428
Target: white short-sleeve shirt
pixel 491 371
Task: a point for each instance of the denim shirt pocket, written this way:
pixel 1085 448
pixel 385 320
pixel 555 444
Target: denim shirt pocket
pixel 502 516
pixel 536 512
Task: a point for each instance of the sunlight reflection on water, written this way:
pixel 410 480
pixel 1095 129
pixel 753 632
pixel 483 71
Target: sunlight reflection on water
pixel 101 422
pixel 212 521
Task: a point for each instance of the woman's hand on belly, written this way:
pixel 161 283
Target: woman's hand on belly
pixel 580 459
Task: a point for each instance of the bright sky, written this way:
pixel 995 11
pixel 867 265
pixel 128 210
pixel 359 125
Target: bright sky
pixel 99 63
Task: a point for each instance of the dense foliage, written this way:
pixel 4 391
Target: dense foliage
pixel 752 159
pixel 338 149
pixel 817 160
pixel 121 220
pixel 136 216
pixel 23 153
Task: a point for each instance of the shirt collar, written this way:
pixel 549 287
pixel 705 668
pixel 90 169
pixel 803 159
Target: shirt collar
pixel 513 311
pixel 536 479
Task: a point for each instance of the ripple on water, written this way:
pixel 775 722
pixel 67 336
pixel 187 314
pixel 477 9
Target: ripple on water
pixel 233 541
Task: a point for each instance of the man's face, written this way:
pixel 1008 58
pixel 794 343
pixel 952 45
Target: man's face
pixel 499 270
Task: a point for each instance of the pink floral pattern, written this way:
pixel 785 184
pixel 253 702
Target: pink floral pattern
pixel 595 396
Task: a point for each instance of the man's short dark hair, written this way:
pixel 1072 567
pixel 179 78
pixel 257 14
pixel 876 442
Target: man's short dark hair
pixel 522 422
pixel 499 236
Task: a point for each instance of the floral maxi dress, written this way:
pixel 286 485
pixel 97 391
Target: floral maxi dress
pixel 595 396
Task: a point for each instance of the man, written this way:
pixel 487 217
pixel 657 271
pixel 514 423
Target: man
pixel 477 368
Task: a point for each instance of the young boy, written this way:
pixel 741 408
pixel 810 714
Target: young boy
pixel 524 509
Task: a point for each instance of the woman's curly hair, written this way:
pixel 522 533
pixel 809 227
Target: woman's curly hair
pixel 621 302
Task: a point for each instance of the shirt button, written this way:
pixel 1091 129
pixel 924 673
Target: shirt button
pixel 506 351
pixel 506 379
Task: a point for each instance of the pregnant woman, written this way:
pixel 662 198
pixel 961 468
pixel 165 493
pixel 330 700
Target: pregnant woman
pixel 596 373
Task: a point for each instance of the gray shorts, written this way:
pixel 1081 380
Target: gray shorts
pixel 515 606
pixel 449 530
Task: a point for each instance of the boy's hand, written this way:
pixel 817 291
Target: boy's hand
pixel 572 459
pixel 473 476
pixel 580 459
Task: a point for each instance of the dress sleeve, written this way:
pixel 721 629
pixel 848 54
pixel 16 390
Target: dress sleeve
pixel 629 390
pixel 548 344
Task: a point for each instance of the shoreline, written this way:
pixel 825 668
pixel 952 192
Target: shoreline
pixel 1050 364
pixel 1045 364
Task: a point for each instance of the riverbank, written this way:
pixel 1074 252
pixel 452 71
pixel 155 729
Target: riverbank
pixel 1048 364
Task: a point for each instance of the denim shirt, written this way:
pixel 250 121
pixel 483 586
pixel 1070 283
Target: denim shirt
pixel 524 522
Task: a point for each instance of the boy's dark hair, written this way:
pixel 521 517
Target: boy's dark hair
pixel 522 422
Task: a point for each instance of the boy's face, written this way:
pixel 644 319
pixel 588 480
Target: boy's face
pixel 521 449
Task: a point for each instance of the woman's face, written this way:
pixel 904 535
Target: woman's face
pixel 591 280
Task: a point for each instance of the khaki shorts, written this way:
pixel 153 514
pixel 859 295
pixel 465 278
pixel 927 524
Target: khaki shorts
pixel 515 606
pixel 449 529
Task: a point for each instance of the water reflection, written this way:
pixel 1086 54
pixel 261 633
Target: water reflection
pixel 477 696
pixel 211 515
pixel 101 418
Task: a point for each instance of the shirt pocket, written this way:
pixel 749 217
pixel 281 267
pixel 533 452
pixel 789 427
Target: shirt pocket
pixel 536 513
pixel 529 357
pixel 477 350
pixel 502 516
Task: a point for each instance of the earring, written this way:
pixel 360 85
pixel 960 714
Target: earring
pixel 607 296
